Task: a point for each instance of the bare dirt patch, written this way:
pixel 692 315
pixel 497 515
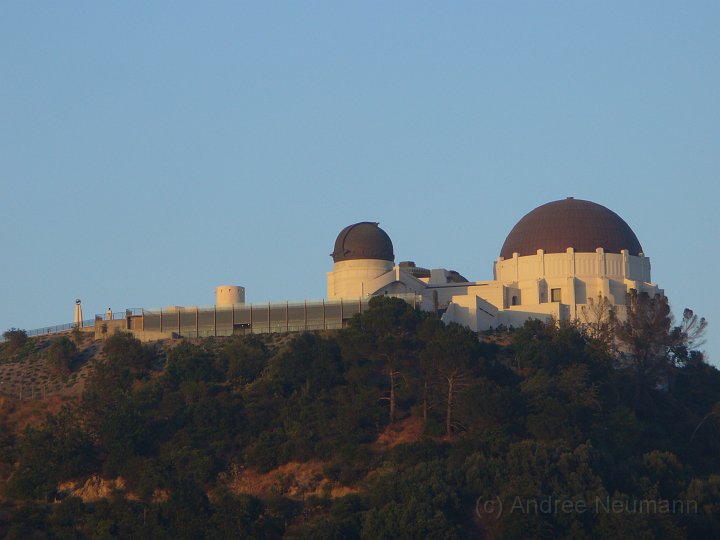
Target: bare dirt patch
pixel 406 431
pixel 294 480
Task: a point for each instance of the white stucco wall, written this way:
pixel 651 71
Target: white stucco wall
pixel 349 278
pixel 579 276
pixel 522 288
pixel 228 295
pixel 548 265
pixel 471 311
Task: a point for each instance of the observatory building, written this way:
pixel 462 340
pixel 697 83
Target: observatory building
pixel 557 259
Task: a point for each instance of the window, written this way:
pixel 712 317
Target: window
pixel 514 301
pixel 555 295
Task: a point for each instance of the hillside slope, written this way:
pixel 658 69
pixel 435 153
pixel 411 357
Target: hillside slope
pixel 396 427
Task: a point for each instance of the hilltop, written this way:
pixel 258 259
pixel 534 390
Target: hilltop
pixel 396 426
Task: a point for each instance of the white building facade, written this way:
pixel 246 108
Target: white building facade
pixel 557 259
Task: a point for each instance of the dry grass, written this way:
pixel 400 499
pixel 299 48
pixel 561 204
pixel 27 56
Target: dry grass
pixel 27 377
pixel 293 480
pixel 406 431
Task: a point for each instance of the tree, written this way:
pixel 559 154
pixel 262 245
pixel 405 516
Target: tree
pixel 385 333
pixel 598 321
pixel 309 362
pixel 551 345
pixel 714 412
pixel 236 516
pixel 562 406
pixel 57 450
pixel 189 362
pixel 60 354
pixel 244 358
pixel 448 359
pixel 28 522
pixel 67 517
pixel 417 502
pixel 77 335
pixel 125 349
pixel 15 338
pixel 650 344
pixel 526 473
pixel 110 415
pixel 690 336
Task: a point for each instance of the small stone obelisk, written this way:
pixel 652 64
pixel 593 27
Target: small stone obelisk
pixel 78 314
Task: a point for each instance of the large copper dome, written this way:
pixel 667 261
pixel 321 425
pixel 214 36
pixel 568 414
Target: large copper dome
pixel 364 240
pixel 570 223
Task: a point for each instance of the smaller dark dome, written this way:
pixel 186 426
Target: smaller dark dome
pixel 364 240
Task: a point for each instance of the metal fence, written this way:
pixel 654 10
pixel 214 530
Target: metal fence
pixel 58 328
pixel 120 314
pixel 252 318
pixel 237 319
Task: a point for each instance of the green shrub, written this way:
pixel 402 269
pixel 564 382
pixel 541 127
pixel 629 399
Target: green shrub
pixel 60 354
pixel 16 339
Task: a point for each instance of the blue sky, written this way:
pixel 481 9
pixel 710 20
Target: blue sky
pixel 151 151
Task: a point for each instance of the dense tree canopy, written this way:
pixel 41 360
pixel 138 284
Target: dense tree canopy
pixel 547 415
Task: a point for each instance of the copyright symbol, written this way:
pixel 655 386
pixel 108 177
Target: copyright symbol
pixel 492 507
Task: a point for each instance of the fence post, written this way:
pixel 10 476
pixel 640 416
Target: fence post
pixel 305 310
pixel 342 313
pixel 251 319
pixel 215 320
pixel 197 321
pixel 287 316
pixel 269 320
pixel 161 321
pixel 324 322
